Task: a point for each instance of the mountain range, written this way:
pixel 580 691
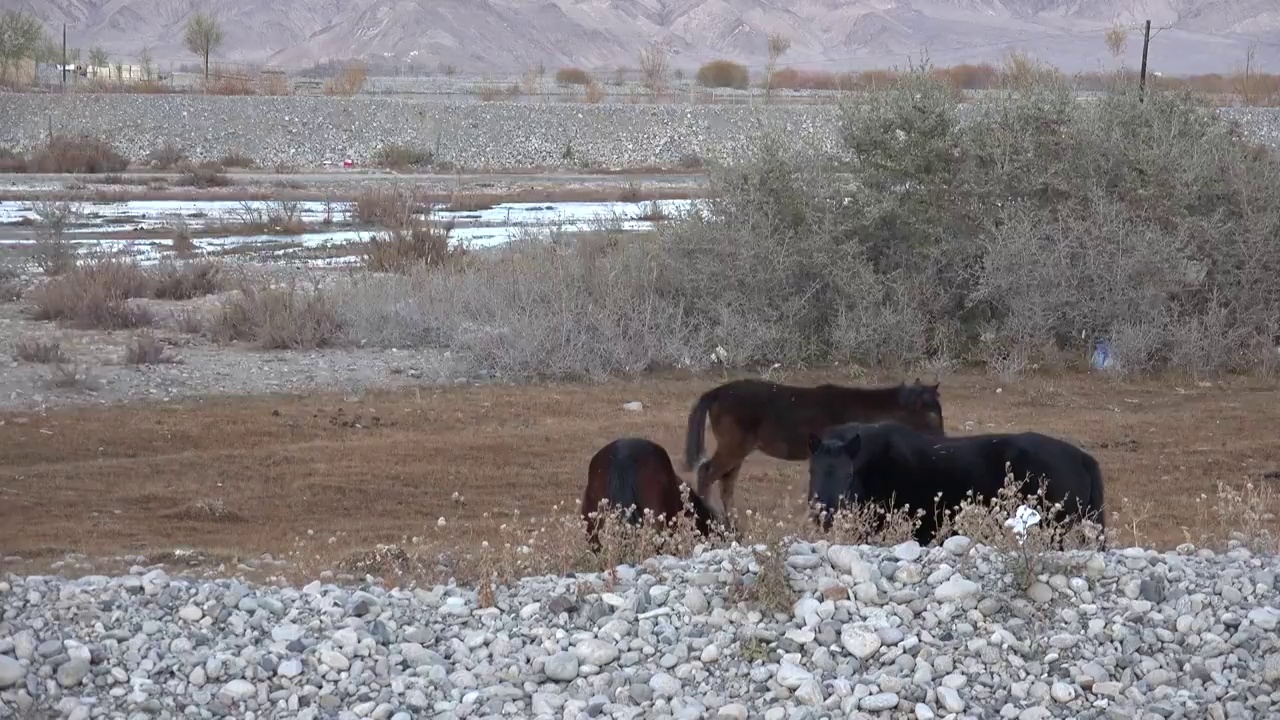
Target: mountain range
pixel 493 36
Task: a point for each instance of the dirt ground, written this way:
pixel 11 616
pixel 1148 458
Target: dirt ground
pixel 143 477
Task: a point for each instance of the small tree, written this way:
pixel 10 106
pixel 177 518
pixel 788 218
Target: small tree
pixel 21 37
pixel 98 58
pixel 144 63
pixel 653 65
pixel 1116 38
pixel 779 44
pixel 203 36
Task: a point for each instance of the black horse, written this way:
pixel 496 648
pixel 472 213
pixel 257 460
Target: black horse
pixel 892 466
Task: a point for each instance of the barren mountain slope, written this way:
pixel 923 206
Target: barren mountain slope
pixel 495 35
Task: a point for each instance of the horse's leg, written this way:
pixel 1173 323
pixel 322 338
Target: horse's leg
pixel 732 447
pixel 728 484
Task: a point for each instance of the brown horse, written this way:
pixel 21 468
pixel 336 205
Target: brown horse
pixel 637 473
pixel 749 415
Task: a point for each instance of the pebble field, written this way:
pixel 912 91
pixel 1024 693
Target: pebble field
pixel 955 631
pixel 308 131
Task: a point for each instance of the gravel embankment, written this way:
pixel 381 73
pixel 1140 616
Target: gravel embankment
pixel 306 131
pixel 898 632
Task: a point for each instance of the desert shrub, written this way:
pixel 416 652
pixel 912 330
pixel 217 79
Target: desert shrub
pixel 54 253
pixel 229 85
pixel 12 162
pixel 1015 236
pixel 11 284
pixel 399 157
pixel 793 79
pixel 278 318
pixel 349 81
pixel 969 77
pixel 202 176
pixel 166 156
pixel 39 351
pixel 276 216
pixel 76 154
pixel 572 76
pixel 95 295
pixel 723 74
pixel 146 349
pixel 237 160
pixel 405 248
pixel 186 280
pixel 389 206
pixel 531 309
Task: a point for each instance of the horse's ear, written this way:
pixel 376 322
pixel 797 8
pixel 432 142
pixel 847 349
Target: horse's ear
pixel 815 442
pixel 853 445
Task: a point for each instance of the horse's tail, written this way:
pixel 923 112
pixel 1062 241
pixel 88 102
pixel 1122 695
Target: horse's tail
pixel 623 476
pixel 695 435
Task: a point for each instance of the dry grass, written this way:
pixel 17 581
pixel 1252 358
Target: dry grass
pixel 274 84
pixel 295 471
pixel 229 85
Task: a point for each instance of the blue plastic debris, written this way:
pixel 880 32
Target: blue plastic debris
pixel 1101 355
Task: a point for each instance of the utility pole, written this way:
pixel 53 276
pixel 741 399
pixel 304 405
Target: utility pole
pixel 1142 75
pixel 64 54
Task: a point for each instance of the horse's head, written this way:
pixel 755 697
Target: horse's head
pixel 835 463
pixel 921 407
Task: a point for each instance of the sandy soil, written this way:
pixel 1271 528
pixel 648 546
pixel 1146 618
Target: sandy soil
pixel 143 477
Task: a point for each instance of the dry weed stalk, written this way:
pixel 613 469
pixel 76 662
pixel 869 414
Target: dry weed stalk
pixel 556 544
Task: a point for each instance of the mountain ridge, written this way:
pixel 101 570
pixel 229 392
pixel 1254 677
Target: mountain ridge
pixel 490 36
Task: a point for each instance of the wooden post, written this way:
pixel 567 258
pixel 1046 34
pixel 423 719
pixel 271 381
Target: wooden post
pixel 1142 75
pixel 64 54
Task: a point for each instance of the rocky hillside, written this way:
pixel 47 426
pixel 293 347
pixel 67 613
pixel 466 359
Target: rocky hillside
pixel 511 35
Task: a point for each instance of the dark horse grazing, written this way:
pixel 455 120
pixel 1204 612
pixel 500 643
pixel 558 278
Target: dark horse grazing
pixel 749 415
pixel 637 473
pixel 894 466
